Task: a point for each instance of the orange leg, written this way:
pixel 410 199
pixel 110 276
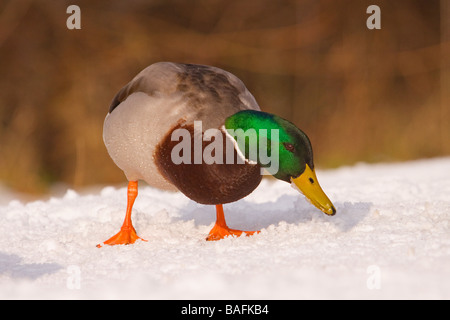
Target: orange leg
pixel 127 234
pixel 221 230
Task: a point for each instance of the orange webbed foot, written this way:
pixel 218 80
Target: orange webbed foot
pixel 126 235
pixel 218 233
pixel 221 230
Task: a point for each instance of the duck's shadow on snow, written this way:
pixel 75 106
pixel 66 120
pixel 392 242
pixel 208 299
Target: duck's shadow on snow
pixel 12 265
pixel 291 209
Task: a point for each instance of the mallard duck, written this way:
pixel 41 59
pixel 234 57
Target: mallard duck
pixel 166 102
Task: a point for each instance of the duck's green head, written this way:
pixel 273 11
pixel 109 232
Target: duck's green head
pixel 279 140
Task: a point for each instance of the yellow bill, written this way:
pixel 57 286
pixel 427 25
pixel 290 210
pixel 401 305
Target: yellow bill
pixel 308 184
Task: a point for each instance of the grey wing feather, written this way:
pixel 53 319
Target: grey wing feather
pixel 158 78
pixel 206 90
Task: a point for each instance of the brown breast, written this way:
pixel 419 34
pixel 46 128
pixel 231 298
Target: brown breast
pixel 215 183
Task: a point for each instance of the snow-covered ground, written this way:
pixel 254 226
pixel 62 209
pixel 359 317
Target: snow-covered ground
pixel 389 239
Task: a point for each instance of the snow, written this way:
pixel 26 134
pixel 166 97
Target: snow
pixel 390 239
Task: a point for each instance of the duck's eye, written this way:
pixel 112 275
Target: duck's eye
pixel 289 146
pixel 311 180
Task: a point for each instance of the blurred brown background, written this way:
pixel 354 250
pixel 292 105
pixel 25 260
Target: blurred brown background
pixel 360 94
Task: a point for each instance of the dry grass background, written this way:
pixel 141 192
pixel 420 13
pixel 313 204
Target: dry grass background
pixel 361 95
